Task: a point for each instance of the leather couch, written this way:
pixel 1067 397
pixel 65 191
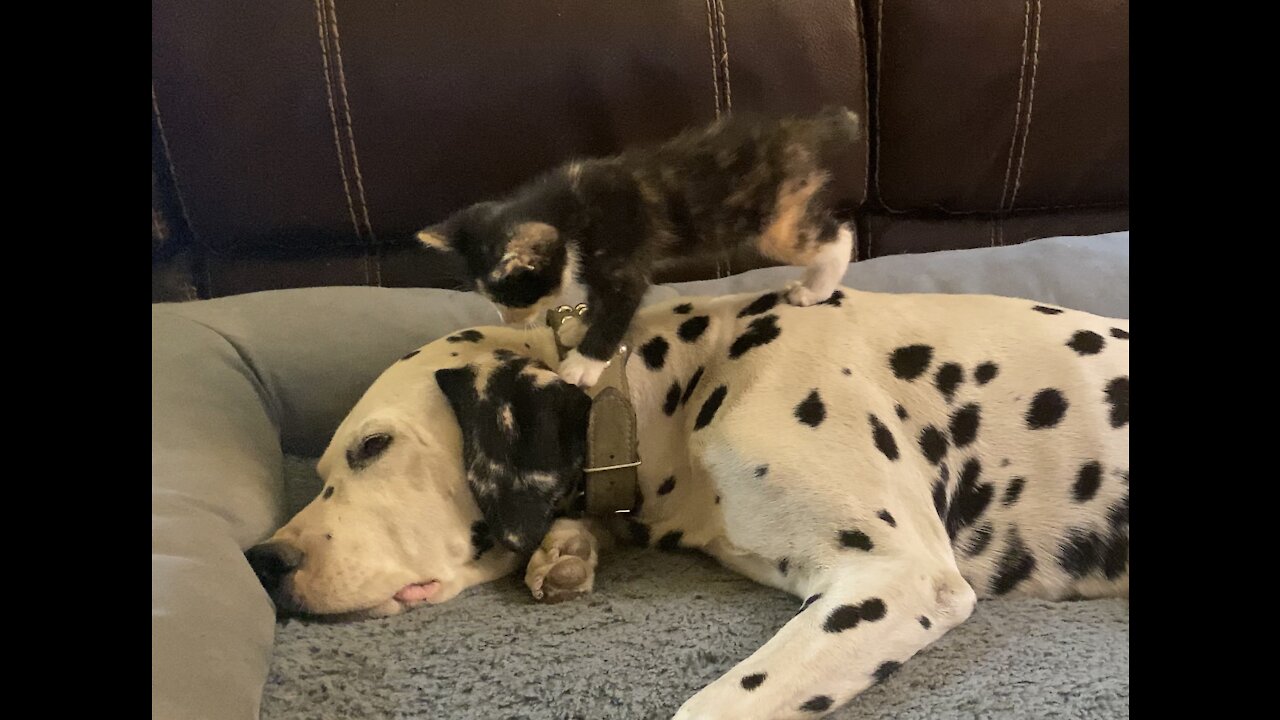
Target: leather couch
pixel 301 144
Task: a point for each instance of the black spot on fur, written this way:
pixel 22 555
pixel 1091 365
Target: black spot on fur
pixel 847 617
pixel 753 681
pixel 846 371
pixel 964 424
pixel 948 379
pixel 481 539
pixel 1117 392
pixel 925 622
pixel 673 399
pixel 762 304
pixel 886 669
pixel 717 499
pixel 783 565
pixel 1013 491
pixel 1086 342
pixel 654 352
pixel 811 411
pixel 835 299
pixel 709 407
pixel 690 330
pixel 856 540
pixel 817 704
pixel 639 532
pixel 1016 564
pixel 883 438
pixel 901 411
pixel 1047 310
pixel 761 331
pixel 970 499
pixel 1088 480
pixel 1115 557
pixel 411 354
pixel 683 309
pixel 693 383
pixel 667 485
pixel 885 516
pixel 466 336
pixel 762 470
pixel 910 362
pixel 671 541
pixel 986 372
pixel 940 491
pixel 980 539
pixel 1119 334
pixel 1080 552
pixel 809 601
pixel 933 444
pixel 1047 409
pixel 328 493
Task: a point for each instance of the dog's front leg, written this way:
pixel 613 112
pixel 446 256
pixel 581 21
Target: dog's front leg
pixel 564 565
pixel 862 622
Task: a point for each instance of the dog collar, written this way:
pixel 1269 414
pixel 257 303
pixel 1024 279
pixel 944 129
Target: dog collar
pixel 611 474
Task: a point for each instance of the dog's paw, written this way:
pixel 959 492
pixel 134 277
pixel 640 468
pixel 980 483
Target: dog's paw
pixel 800 295
pixel 581 371
pixel 564 566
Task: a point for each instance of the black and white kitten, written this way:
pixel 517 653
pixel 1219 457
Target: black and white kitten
pixel 602 223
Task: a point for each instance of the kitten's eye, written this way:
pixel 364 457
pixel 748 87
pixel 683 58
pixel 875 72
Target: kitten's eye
pixel 368 450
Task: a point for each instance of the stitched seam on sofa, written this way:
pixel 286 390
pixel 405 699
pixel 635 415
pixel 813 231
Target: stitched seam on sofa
pixel 715 74
pixel 323 30
pixel 173 171
pixel 879 92
pixel 938 210
pixel 1031 97
pixel 866 101
pixel 724 57
pixel 1017 115
pixel 371 256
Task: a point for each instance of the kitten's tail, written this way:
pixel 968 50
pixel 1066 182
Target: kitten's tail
pixel 836 125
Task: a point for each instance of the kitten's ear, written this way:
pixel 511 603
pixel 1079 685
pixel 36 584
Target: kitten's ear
pixel 438 236
pixel 530 247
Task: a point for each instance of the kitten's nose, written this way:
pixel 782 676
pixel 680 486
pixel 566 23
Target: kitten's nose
pixel 272 562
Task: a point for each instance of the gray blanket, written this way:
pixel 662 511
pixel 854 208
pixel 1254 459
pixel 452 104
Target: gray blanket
pixel 658 627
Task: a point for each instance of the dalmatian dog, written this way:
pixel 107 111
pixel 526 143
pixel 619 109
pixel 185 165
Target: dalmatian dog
pixel 886 458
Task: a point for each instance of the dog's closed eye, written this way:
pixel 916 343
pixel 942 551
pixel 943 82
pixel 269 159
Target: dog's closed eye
pixel 367 450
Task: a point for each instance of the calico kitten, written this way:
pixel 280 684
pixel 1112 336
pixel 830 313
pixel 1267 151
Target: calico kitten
pixel 604 222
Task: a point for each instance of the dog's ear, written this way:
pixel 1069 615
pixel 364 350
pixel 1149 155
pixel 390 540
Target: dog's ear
pixel 524 434
pixel 531 246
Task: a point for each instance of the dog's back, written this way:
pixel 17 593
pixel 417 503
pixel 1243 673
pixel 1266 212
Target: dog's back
pixel 1005 419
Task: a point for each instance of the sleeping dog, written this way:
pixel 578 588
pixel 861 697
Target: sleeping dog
pixel 886 458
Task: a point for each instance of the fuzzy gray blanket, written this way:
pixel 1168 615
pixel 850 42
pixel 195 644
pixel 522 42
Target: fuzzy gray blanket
pixel 657 628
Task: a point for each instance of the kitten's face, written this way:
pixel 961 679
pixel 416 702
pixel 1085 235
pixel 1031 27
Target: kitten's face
pixel 520 265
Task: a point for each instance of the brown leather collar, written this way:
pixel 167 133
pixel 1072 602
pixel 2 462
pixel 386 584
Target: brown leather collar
pixel 613 459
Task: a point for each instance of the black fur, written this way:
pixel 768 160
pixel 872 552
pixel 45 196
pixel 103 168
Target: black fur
pixel 548 441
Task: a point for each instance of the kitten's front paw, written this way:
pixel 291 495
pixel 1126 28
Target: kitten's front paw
pixel 801 296
pixel 581 371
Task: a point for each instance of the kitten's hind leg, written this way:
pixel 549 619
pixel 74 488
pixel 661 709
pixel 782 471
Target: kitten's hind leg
pixel 822 276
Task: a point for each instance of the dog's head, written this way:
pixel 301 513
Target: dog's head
pixel 444 475
pixel 519 263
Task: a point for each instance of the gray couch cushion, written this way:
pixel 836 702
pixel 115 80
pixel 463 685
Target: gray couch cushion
pixel 238 381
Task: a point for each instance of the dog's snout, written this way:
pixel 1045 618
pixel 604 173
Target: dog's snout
pixel 272 562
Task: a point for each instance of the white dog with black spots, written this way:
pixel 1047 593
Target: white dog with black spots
pixel 886 458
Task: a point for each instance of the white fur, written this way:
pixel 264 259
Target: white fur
pixel 822 276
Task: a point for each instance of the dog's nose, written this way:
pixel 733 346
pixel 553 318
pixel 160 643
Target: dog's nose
pixel 272 562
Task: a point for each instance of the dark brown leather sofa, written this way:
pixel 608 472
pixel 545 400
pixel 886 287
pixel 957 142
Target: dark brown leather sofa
pixel 301 144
